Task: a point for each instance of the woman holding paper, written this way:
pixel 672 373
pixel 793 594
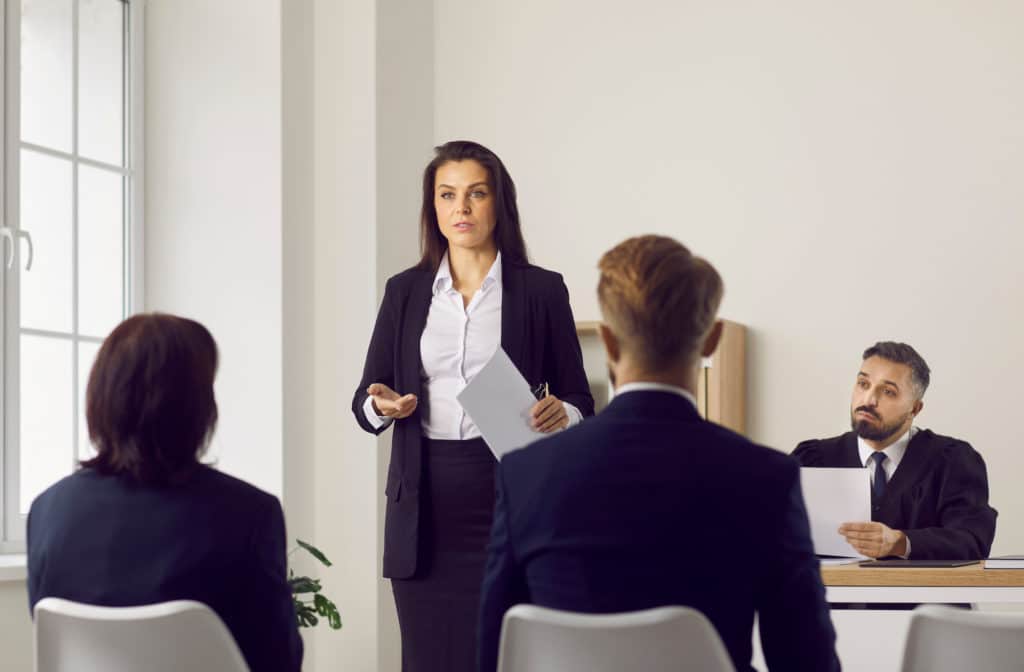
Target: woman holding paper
pixel 440 322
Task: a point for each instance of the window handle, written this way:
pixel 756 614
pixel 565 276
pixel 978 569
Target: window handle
pixel 12 237
pixel 7 234
pixel 31 252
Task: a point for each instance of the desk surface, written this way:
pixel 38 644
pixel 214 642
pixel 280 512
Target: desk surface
pixel 975 576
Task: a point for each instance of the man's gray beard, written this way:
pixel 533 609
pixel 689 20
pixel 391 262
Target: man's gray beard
pixel 869 432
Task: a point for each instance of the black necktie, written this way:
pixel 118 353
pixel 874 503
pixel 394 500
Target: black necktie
pixel 878 486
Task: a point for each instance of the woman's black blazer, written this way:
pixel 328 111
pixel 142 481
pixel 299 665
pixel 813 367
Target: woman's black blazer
pixel 538 333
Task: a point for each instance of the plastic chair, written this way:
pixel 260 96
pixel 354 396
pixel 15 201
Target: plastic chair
pixel 943 639
pixel 166 637
pixel 536 639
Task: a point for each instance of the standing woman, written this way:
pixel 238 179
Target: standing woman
pixel 473 291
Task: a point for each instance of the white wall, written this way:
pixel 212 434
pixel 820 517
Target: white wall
pixel 852 170
pixel 213 207
pixel 405 129
pixel 347 482
pixel 297 283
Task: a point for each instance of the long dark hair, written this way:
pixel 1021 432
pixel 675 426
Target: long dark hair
pixel 149 402
pixel 508 236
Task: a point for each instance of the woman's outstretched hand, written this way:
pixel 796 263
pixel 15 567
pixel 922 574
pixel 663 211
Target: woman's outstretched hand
pixel 388 403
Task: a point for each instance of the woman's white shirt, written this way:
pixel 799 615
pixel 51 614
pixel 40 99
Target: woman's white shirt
pixel 456 343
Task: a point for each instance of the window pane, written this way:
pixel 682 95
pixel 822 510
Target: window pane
pixel 46 430
pixel 101 79
pixel 86 357
pixel 46 214
pixel 46 73
pixel 100 251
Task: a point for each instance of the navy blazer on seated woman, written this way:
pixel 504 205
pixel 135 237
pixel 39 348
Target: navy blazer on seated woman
pixel 144 521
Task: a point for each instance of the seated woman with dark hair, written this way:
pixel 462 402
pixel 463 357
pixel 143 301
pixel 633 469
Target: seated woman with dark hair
pixel 144 521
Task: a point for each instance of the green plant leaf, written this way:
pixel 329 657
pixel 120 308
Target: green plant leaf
pixel 315 552
pixel 304 584
pixel 323 605
pixel 328 610
pixel 305 615
pixel 309 612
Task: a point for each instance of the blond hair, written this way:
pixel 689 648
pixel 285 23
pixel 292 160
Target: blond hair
pixel 659 299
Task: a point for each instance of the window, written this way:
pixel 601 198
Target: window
pixel 71 205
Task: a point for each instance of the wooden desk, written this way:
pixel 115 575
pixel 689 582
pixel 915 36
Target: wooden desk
pixel 973 584
pixel 874 639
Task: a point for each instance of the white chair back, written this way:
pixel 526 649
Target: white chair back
pixel 944 639
pixel 676 639
pixel 167 637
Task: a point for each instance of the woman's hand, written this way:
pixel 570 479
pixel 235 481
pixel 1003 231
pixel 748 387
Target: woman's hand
pixel 549 415
pixel 388 403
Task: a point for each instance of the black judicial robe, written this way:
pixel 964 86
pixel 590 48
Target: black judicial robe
pixel 938 495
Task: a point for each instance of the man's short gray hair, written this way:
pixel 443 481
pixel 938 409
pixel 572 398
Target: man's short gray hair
pixel 901 353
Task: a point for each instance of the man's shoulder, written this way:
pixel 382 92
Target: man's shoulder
pixel 821 452
pixel 745 457
pixel 547 447
pixel 716 444
pixel 944 447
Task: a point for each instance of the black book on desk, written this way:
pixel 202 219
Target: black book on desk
pixel 918 563
pixel 1005 562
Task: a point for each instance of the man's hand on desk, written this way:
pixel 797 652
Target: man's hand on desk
pixel 874 540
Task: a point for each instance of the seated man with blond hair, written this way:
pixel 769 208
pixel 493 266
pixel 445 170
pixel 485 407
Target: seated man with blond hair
pixel 647 504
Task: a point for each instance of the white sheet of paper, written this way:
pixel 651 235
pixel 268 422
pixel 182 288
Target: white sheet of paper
pixel 498 401
pixel 833 497
pixel 829 562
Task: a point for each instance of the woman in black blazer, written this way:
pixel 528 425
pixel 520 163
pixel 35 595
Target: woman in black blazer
pixel 440 321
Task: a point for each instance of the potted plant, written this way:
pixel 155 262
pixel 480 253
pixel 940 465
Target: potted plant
pixel 310 604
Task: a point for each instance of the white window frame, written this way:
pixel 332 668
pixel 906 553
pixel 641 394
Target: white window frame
pixel 12 522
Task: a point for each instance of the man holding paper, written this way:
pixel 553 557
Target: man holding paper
pixel 647 504
pixel 929 493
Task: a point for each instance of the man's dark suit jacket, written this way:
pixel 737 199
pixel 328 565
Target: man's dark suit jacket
pixel 938 495
pixel 107 541
pixel 538 333
pixel 648 505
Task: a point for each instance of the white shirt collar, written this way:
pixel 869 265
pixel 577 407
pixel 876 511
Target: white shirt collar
pixel 894 452
pixel 655 387
pixel 443 277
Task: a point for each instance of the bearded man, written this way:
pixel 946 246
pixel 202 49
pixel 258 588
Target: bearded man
pixel 929 493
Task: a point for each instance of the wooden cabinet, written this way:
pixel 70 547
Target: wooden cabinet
pixel 721 386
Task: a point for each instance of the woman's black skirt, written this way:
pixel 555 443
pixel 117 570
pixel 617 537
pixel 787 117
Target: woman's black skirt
pixel 438 607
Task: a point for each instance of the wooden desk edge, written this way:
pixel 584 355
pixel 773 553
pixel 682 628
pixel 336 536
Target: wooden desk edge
pixel 969 576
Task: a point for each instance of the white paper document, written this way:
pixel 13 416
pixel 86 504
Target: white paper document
pixel 498 401
pixel 834 497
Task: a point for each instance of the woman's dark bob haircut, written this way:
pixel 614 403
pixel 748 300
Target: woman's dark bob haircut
pixel 507 235
pixel 149 403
